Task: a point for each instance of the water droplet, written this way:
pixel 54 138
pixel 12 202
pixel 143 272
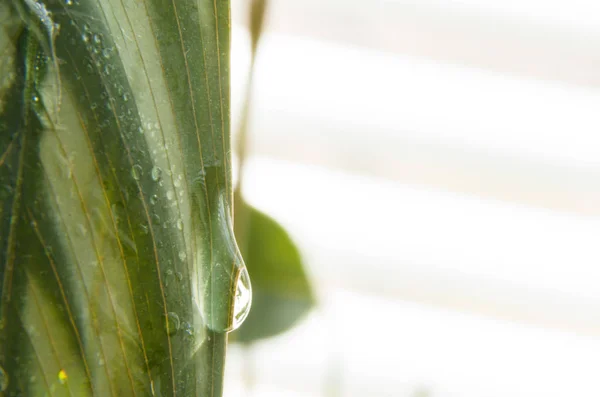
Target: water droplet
pixel 179 224
pixel 156 218
pixel 170 195
pixel 182 255
pixel 144 228
pixel 35 98
pixel 179 276
pixel 156 173
pixel 62 376
pixel 97 38
pixel 229 316
pixel 188 329
pixel 242 300
pixel 154 199
pixel 136 172
pixel 106 53
pixel 173 323
pixel 82 229
pixel 3 380
pixel 69 2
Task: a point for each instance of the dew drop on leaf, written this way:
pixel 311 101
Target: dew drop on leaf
pixel 182 255
pixel 136 172
pixel 242 300
pixel 239 309
pixel 188 329
pixel 82 229
pixel 173 323
pixel 156 173
pixel 179 224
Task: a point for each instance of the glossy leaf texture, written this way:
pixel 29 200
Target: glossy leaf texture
pixel 119 270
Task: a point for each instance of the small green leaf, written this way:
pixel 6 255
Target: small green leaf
pixel 281 292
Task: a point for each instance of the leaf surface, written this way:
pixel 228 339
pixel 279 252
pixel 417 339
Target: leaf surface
pixel 118 264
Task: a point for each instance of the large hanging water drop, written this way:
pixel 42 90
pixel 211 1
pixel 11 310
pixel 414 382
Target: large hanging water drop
pixel 242 300
pixel 226 294
pixel 226 309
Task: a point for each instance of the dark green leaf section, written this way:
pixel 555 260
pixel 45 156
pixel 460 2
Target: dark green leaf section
pixel 281 293
pixel 117 257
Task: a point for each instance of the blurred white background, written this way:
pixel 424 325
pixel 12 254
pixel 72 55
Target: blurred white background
pixel 438 164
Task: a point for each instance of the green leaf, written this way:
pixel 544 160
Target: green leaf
pixel 119 270
pixel 281 292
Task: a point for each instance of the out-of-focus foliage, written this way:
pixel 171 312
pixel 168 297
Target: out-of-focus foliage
pixel 119 272
pixel 281 293
pixel 281 290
